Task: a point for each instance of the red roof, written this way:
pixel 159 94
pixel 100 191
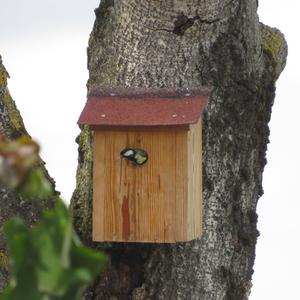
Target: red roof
pixel 144 107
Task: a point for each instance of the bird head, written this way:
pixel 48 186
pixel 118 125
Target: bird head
pixel 127 153
pixel 137 156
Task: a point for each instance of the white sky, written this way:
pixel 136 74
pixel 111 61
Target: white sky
pixel 43 46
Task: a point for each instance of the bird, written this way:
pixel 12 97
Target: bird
pixel 137 156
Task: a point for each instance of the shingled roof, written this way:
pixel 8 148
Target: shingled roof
pixel 144 107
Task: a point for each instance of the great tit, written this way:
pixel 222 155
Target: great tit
pixel 137 156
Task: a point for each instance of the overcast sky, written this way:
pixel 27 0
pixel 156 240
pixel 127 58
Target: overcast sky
pixel 43 46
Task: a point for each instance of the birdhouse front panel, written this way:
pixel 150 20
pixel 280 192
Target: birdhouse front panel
pixel 147 169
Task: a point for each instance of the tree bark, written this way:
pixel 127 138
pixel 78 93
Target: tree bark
pixel 188 44
pixel 12 127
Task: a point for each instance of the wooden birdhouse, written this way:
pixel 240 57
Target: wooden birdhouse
pixel 147 164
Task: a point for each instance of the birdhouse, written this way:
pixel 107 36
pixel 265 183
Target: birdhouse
pixel 147 164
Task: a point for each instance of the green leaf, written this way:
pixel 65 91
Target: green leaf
pixel 48 261
pixel 23 282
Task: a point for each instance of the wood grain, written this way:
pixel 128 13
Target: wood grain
pixel 194 206
pixel 147 203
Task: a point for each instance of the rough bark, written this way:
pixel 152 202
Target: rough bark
pixel 188 44
pixel 11 126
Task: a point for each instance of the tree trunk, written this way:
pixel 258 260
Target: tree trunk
pixel 188 44
pixel 12 127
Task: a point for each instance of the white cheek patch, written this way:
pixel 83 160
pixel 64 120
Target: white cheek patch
pixel 128 153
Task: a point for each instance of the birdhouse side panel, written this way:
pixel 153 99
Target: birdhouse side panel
pixel 145 203
pixel 98 187
pixel 195 181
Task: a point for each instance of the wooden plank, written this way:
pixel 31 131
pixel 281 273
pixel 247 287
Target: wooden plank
pixel 198 181
pixel 140 203
pixel 98 175
pixel 195 181
pixel 181 195
pixel 112 182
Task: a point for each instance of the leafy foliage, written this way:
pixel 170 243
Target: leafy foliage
pixel 48 261
pixel 19 168
pixel 17 159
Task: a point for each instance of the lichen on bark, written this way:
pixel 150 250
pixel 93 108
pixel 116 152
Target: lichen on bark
pixel 11 123
pixel 133 44
pixel 274 47
pixel 81 208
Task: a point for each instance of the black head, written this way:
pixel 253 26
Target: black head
pixel 128 153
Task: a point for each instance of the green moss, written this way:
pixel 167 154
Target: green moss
pixel 15 117
pixel 3 79
pixel 81 203
pixel 3 74
pixel 272 40
pixel 4 260
pixel 84 141
pixel 15 121
pixel 275 47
